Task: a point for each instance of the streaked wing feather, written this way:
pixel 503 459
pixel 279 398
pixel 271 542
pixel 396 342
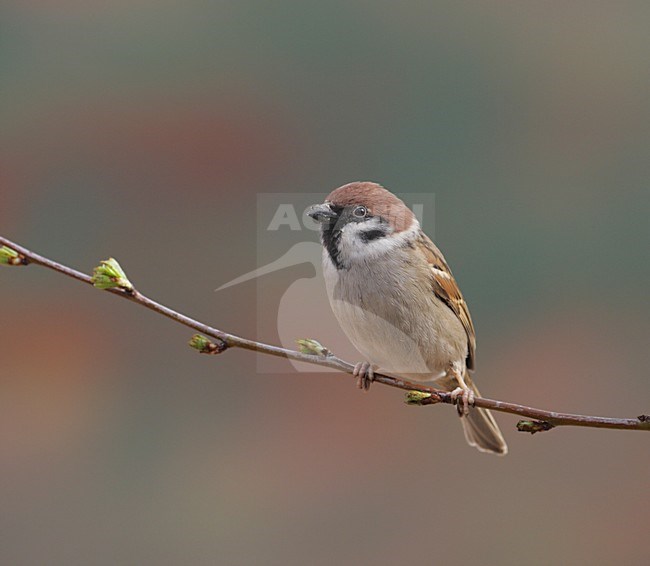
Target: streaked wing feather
pixel 446 288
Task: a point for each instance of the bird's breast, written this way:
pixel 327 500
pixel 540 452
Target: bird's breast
pixel 391 315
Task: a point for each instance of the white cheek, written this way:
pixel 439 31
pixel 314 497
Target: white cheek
pixel 354 249
pixel 358 249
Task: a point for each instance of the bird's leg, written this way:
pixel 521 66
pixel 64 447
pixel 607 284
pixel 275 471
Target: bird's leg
pixel 463 391
pixel 365 374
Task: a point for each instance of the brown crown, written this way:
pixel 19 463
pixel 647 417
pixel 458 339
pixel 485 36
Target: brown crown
pixel 378 201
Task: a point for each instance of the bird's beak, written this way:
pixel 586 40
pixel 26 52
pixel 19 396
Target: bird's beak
pixel 321 212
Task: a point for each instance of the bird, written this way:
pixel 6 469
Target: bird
pixel 395 297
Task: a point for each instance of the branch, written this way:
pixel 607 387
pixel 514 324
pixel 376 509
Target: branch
pixel 110 277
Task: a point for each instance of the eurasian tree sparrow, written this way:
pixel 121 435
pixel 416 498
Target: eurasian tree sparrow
pixel 394 296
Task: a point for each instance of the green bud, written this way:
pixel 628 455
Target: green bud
pixel 312 347
pixel 109 275
pixel 416 397
pixel 534 426
pixel 206 346
pixel 11 257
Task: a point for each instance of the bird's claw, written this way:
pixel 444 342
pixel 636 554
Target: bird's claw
pixel 465 402
pixel 365 375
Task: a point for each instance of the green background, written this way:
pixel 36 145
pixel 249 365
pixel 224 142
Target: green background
pixel 146 130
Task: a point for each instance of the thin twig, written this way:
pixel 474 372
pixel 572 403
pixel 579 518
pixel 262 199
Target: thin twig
pixel 537 419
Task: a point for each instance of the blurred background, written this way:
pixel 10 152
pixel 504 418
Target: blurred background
pixel 148 130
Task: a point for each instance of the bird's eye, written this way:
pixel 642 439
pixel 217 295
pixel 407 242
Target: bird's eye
pixel 360 211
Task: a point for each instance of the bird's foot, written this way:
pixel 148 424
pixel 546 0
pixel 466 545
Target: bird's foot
pixel 466 400
pixel 365 375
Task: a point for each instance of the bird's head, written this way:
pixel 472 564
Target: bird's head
pixel 361 221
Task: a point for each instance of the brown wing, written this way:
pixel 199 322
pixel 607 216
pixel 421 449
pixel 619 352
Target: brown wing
pixel 446 288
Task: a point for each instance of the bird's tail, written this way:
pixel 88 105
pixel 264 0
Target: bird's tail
pixel 481 430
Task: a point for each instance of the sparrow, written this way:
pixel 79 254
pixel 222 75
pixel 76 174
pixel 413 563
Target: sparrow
pixel 395 298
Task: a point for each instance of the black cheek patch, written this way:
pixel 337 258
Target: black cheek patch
pixel 372 235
